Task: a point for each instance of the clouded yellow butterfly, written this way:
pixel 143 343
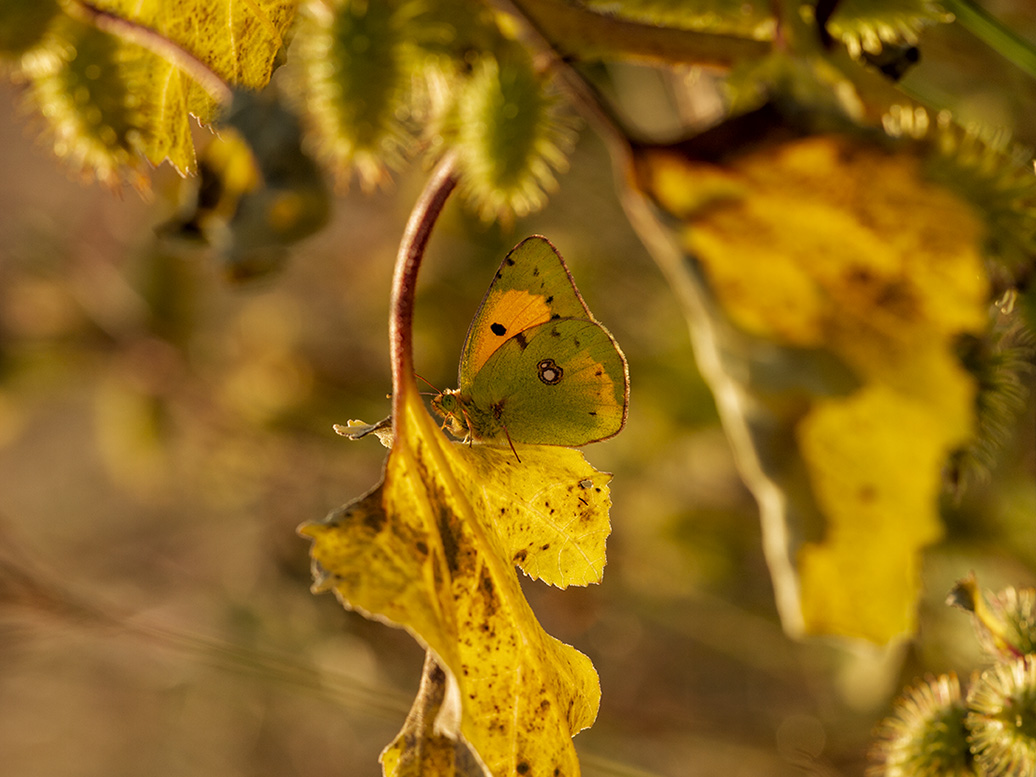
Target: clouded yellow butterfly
pixel 536 366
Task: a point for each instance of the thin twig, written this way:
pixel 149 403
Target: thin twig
pixel 998 36
pixel 589 35
pixel 156 43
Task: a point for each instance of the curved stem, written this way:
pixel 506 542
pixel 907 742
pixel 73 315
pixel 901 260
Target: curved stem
pixel 404 281
pixel 156 43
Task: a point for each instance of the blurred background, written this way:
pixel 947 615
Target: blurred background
pixel 163 431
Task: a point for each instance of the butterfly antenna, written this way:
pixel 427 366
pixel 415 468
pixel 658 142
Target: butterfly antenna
pixel 432 385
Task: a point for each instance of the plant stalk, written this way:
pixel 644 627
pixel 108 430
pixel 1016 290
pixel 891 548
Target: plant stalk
pixel 998 36
pixel 404 282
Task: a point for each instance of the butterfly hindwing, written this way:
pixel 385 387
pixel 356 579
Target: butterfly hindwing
pixel 531 287
pixel 560 383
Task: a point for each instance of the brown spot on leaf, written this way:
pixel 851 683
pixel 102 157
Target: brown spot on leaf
pixel 449 542
pixel 374 520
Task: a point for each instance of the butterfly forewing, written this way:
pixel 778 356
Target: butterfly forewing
pixel 532 286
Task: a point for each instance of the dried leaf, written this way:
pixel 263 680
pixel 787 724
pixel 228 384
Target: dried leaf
pixel 432 549
pixel 830 282
pixel 422 748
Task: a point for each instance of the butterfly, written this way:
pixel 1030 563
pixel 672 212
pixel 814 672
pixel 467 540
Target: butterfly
pixel 536 367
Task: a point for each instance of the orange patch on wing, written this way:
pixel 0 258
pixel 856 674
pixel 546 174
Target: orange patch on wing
pixel 584 369
pixel 514 311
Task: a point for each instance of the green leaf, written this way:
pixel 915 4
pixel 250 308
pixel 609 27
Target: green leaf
pixel 577 31
pixel 751 19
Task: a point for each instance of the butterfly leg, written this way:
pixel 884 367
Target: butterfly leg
pixel 509 442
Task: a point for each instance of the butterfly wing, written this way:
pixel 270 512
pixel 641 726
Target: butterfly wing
pixel 532 286
pixel 564 382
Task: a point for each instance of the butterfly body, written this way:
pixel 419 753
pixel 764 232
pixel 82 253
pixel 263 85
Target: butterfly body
pixel 537 367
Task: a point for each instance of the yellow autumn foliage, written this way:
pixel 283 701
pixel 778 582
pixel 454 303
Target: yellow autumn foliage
pixel 433 549
pixel 841 246
pixel 111 87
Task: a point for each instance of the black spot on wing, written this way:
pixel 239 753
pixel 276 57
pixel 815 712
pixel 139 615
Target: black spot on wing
pixel 520 339
pixel 498 329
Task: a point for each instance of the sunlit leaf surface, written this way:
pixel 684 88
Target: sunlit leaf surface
pixel 112 91
pixel 433 549
pixel 841 279
pixel 238 39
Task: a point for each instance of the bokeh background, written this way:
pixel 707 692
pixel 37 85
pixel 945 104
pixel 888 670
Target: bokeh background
pixel 164 431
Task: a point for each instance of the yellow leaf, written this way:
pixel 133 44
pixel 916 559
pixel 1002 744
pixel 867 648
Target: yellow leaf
pixel 237 39
pixel 845 239
pixel 556 529
pixel 818 256
pixel 433 548
pixel 875 460
pixel 107 78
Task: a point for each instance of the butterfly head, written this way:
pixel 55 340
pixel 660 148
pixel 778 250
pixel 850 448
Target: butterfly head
pixel 450 407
